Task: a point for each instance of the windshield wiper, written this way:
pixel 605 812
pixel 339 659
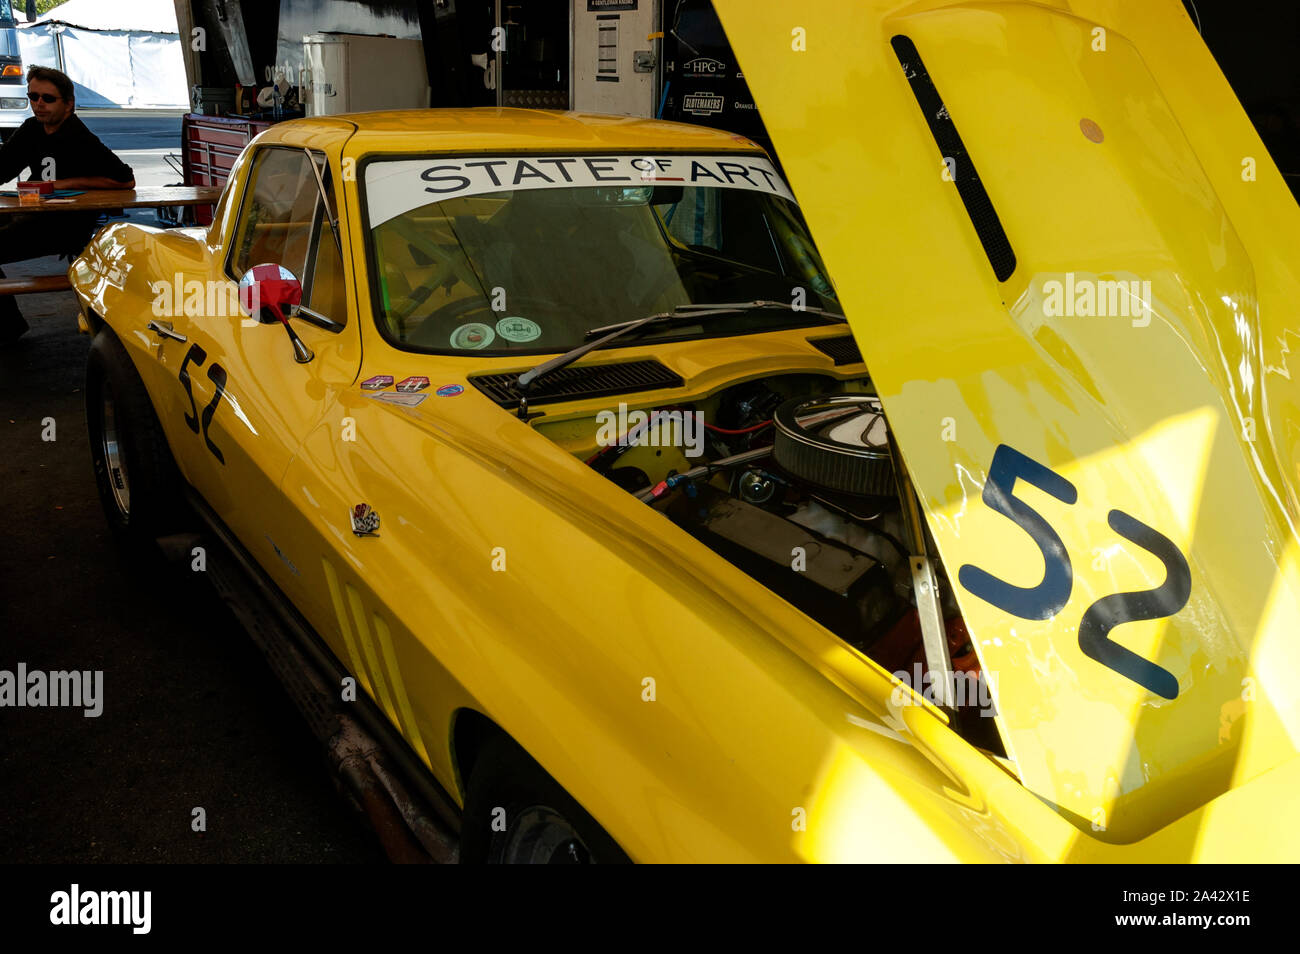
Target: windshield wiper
pixel 608 333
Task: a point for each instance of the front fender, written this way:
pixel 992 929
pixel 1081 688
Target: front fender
pixel 694 714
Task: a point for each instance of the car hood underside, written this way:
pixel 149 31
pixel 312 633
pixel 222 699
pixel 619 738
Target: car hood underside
pixel 1067 260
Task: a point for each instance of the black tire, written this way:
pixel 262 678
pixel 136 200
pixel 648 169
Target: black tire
pixel 140 487
pixel 543 824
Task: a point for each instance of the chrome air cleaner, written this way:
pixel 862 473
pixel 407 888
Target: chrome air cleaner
pixel 835 442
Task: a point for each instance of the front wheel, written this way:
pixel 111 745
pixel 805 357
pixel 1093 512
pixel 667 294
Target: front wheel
pixel 515 813
pixel 137 479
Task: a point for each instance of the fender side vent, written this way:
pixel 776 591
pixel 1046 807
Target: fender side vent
pixel 581 381
pixel 841 350
pixel 973 195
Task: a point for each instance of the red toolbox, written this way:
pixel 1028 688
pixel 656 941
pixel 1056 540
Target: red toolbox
pixel 210 145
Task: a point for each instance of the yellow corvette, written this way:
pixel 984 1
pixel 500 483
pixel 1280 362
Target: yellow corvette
pixel 546 432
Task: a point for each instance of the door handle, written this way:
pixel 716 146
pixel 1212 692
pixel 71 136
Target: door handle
pixel 163 329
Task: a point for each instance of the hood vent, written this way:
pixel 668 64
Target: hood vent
pixel 841 350
pixel 978 204
pixel 582 381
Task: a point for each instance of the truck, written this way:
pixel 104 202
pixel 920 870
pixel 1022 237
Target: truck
pixel 13 89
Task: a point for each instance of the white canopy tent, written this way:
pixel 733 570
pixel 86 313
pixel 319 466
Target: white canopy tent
pixel 117 54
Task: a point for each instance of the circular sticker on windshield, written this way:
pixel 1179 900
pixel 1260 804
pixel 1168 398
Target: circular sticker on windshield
pixel 518 329
pixel 473 336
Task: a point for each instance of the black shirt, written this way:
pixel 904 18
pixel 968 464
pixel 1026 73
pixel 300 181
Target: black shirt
pixel 76 152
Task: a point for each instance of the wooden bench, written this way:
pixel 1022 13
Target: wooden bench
pixel 34 284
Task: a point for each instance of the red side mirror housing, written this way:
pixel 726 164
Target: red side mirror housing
pixel 269 286
pixel 277 289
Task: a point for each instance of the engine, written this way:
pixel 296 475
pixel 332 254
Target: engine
pixel 797 488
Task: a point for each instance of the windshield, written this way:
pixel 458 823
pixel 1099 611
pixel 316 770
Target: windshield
pixel 6 14
pixel 525 254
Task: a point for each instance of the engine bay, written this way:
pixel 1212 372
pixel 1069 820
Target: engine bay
pixel 791 479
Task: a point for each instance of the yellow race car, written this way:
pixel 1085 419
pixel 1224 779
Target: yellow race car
pixel 560 477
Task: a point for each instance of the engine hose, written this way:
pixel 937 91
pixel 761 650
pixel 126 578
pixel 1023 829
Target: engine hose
pixel 651 494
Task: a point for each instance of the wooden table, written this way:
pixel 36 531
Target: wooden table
pixel 97 200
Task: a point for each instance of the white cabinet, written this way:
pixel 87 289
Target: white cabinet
pixel 350 73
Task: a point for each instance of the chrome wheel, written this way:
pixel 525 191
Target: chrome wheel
pixel 542 836
pixel 114 459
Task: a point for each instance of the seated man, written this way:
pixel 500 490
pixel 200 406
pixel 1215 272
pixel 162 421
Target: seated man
pixel 54 146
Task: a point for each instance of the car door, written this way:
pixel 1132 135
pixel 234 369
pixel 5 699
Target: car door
pixel 241 393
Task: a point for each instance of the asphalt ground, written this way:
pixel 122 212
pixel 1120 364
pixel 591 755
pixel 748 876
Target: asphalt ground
pixel 192 717
pixel 141 142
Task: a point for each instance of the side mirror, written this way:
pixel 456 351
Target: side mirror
pixel 275 289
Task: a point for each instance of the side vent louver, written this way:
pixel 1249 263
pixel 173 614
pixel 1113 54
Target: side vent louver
pixel 841 350
pixel 581 381
pixel 978 204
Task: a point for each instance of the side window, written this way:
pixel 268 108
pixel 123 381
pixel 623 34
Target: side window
pixel 284 222
pixel 324 291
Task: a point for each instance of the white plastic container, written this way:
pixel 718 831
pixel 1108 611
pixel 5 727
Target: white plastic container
pixel 349 73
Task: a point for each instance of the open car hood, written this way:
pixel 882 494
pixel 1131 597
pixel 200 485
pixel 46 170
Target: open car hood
pixel 1110 476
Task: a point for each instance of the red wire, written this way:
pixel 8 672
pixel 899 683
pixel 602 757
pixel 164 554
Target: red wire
pixel 743 430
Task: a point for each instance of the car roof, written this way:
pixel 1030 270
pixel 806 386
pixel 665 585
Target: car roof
pixel 491 128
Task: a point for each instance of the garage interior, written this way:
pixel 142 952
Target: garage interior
pixel 198 718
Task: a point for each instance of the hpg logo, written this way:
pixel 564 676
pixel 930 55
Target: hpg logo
pixel 704 66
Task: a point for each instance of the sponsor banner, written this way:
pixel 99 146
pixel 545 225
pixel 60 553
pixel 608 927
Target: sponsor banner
pixel 396 187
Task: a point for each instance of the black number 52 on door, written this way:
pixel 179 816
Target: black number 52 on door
pixel 217 375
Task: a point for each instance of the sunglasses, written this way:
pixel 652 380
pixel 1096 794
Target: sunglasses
pixel 44 97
